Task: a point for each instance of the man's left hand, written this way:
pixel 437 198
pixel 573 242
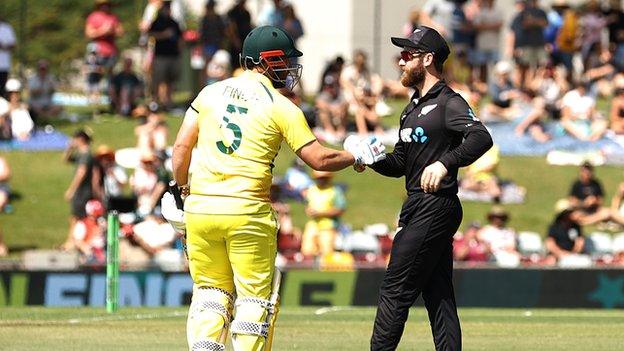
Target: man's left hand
pixel 172 213
pixel 432 177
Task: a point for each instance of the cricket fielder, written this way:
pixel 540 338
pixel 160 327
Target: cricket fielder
pixel 237 127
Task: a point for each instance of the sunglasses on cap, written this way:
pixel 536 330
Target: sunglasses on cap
pixel 408 55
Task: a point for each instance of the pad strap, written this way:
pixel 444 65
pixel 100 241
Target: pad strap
pixel 250 328
pixel 207 299
pixel 207 345
pixel 266 304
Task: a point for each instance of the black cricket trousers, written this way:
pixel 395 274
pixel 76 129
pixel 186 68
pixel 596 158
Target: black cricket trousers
pixel 421 262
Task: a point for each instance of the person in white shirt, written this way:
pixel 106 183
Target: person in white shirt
pixel 579 117
pixel 7 43
pixel 41 86
pixel 16 112
pixel 500 238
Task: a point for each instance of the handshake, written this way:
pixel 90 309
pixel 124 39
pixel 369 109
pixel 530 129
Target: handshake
pixel 365 151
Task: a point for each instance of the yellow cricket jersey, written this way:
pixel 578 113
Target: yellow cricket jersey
pixel 242 123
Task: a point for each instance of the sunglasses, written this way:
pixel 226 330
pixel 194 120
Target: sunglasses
pixel 408 56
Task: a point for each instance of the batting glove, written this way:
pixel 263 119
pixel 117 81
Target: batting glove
pixel 365 152
pixel 172 213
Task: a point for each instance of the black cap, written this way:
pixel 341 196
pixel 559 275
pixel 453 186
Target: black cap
pixel 426 39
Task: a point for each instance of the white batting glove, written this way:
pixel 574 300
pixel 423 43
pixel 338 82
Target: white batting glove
pixel 365 152
pixel 172 213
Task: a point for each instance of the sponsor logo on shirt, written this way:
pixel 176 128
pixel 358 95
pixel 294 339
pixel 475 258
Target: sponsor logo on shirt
pixel 417 135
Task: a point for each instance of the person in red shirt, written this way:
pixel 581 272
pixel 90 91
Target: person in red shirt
pixel 103 27
pixel 468 247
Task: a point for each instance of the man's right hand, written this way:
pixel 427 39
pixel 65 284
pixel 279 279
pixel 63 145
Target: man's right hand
pixel 172 213
pixel 365 152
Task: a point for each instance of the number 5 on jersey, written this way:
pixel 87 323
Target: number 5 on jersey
pixel 236 131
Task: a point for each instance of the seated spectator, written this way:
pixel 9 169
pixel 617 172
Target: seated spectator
pixel 467 247
pixel 500 238
pixel 481 175
pixel 325 204
pixel 616 114
pixel 94 71
pixel 218 68
pixel 288 236
pixel 88 234
pixel 587 196
pixel 125 89
pixel 579 117
pixel 5 191
pixel 15 112
pixel 42 86
pixel 296 180
pixel 144 241
pixel 361 90
pixel 148 183
pixel 565 236
pixel 5 120
pixel 152 132
pixel 600 71
pixel 110 178
pixel 502 93
pixel 547 89
pixel 332 110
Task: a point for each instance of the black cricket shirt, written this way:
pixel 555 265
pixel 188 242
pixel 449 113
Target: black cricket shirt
pixel 439 126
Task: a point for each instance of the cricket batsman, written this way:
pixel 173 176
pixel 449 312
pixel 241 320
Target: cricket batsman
pixel 237 126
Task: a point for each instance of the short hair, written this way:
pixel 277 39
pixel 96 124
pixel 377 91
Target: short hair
pixel 438 64
pixel 588 166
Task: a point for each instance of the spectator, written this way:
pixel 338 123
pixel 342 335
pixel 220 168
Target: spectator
pixel 615 24
pixel 412 22
pixel 296 181
pixel 481 175
pixel 212 31
pixel 600 71
pixel 502 93
pixel 334 69
pixel 7 44
pixel 567 41
pixel 555 21
pixel 145 241
pixel 528 32
pixel 42 86
pixel 291 24
pixel 239 20
pixel 361 89
pixel 500 238
pixel 565 236
pixel 152 133
pixel 5 120
pixel 149 182
pixel 325 204
pixel 5 191
pixel 110 179
pixel 438 15
pixel 81 189
pixel 125 89
pixel 94 70
pixel 587 196
pixel 616 114
pixel 578 115
pixel 288 236
pixel 88 235
pixel 272 14
pixel 487 23
pixel 103 28
pixel 16 112
pixel 166 66
pixel 592 23
pixel 332 110
pixel 467 247
pixel 219 67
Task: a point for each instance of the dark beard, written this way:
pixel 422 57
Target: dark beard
pixel 413 77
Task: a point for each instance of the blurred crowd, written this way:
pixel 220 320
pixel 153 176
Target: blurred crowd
pixel 543 71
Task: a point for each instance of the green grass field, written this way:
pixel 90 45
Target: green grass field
pixel 40 179
pixel 311 329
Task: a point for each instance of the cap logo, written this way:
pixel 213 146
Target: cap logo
pixel 416 30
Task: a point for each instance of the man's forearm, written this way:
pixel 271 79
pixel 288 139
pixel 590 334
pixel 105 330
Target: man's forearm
pixel 181 161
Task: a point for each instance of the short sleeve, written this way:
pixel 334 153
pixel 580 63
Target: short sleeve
pixel 292 124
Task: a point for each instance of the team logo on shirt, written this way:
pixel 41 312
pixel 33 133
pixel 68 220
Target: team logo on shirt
pixel 426 109
pixel 472 115
pixel 417 135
